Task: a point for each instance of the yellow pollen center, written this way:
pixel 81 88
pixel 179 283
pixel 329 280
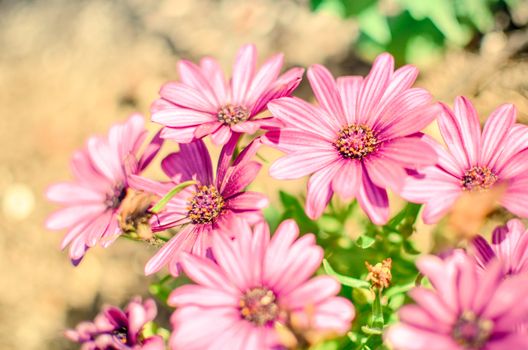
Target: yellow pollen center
pixel 356 141
pixel 258 306
pixel 471 332
pixel 205 205
pixel 231 115
pixel 478 178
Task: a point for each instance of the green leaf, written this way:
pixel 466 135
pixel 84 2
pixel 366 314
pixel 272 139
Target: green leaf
pixel 365 241
pixel 345 280
pixel 374 24
pixel 163 202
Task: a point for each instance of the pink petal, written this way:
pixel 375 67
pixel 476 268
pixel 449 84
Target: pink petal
pixel 349 88
pixel 207 273
pixel 408 113
pixel 265 76
pixel 516 197
pixel 283 86
pixel 373 87
pixel 191 161
pixel 206 129
pixel 302 260
pixel 469 127
pixel 311 292
pixel 192 294
pixel 302 115
pixel 516 141
pixel 438 206
pixel 189 323
pixel 495 133
pixel 172 250
pixel 181 117
pixel 443 278
pixel 291 140
pixel 401 80
pixel 430 183
pixel 348 179
pixel 221 135
pixel 179 135
pixel 248 201
pixel 104 160
pixel 69 216
pixel 373 200
pixel 239 177
pixel 72 193
pixel 418 317
pixel 404 337
pixel 191 75
pixel 299 164
pixel 319 190
pixel 385 173
pixel 150 152
pixel 187 97
pixel 410 152
pixel 453 136
pixel 243 72
pixel 212 70
pixel 248 127
pixel 431 301
pixel 325 91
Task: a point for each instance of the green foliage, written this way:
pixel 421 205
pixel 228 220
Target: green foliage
pixel 415 30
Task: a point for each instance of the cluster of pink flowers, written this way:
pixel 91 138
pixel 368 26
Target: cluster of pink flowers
pixel 363 138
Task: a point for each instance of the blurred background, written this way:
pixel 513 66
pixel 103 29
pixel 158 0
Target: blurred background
pixel 72 68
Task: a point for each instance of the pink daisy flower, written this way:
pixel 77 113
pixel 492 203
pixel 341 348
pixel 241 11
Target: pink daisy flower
pixel 509 244
pixel 256 284
pixel 115 329
pixel 203 103
pixel 466 309
pixel 212 206
pixel 359 140
pixel 474 161
pixel 101 170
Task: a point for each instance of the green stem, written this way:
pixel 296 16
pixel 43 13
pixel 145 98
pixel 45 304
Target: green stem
pixel 163 202
pixel 377 312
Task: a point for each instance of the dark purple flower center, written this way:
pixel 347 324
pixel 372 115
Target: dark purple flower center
pixel 205 205
pixel 471 332
pixel 258 306
pixel 478 178
pixel 114 198
pixel 356 141
pixel 231 115
pixel 121 335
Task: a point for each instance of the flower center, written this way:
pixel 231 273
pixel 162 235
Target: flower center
pixel 471 332
pixel 205 205
pixel 258 305
pixel 231 115
pixel 121 335
pixel 478 179
pixel 356 141
pixel 114 198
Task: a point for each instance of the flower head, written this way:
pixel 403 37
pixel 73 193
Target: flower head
pixel 257 284
pixel 509 244
pixel 359 141
pixel 115 329
pixel 214 205
pixel 203 103
pixel 92 201
pixel 474 161
pixel 466 310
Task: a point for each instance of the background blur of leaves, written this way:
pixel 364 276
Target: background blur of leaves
pixel 418 30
